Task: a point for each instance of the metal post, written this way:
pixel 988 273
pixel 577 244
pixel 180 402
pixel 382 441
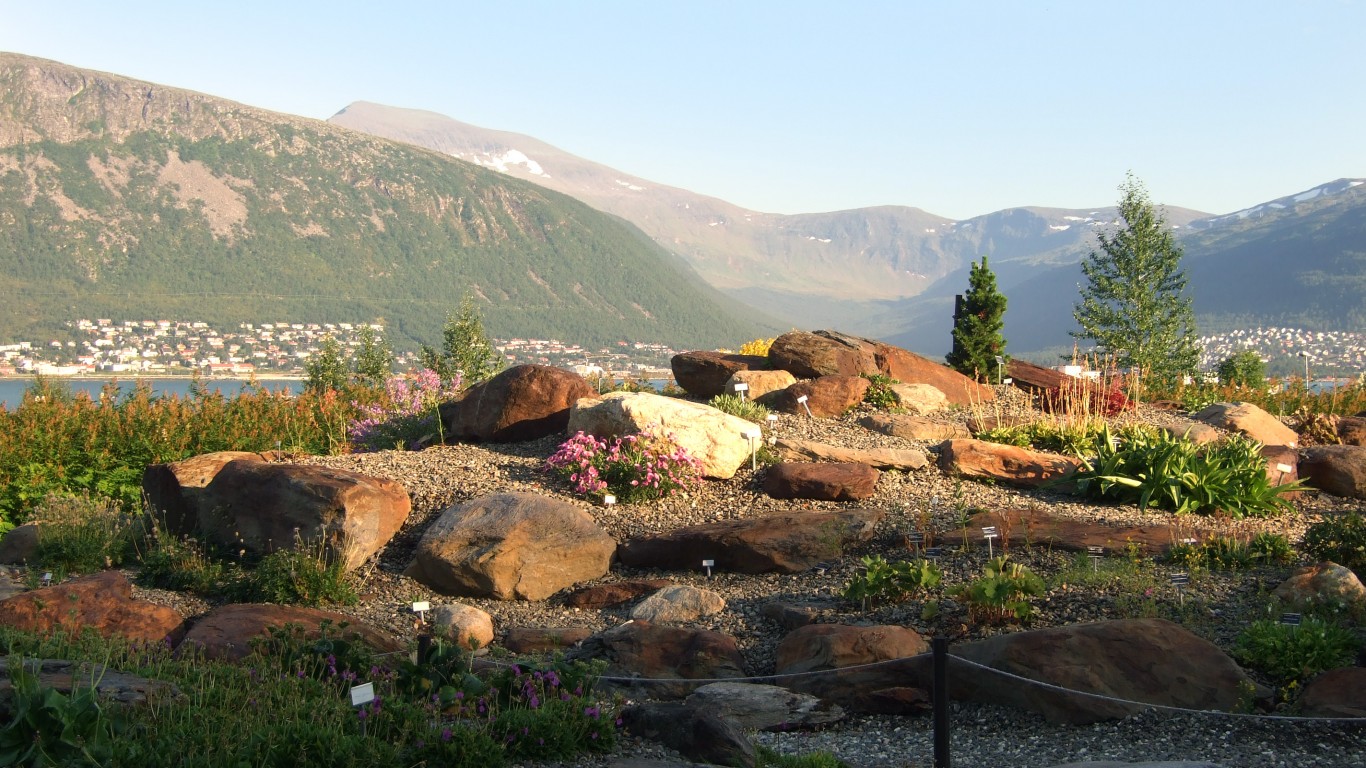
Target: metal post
pixel 940 648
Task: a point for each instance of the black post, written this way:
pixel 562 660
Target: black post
pixel 424 648
pixel 940 647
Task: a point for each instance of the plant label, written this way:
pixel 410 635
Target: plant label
pixel 1292 619
pixel 802 399
pixel 1095 553
pixel 740 389
pixel 1007 381
pixel 915 537
pixel 773 419
pixel 362 694
pixel 1188 542
pixel 989 532
pixel 422 607
pixel 608 500
pixel 1284 469
pixel 708 564
pixel 934 551
pixel 1180 579
pixel 47 579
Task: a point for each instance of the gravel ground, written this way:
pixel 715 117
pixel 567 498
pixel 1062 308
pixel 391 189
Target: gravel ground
pixel 1216 606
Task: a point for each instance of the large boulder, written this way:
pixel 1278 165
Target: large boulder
pixel 645 652
pixel 714 438
pixel 1326 585
pixel 704 374
pixel 102 602
pixel 910 427
pixel 788 542
pixel 1248 420
pixel 19 544
pixel 172 490
pixel 823 481
pixel 1335 693
pixel 903 459
pixel 833 661
pixel 465 625
pixel 760 383
pixel 1034 379
pixel 228 632
pixel 695 733
pixel 511 546
pixel 263 506
pixel 830 353
pixel 679 604
pixel 919 398
pixel 1337 469
pixel 1005 463
pixel 764 707
pixel 1352 430
pixel 524 402
pixel 826 396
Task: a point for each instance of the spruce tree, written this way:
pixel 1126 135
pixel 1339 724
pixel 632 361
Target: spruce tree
pixel 1133 303
pixel 977 340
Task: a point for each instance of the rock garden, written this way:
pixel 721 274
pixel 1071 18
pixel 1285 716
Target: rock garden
pixel 748 568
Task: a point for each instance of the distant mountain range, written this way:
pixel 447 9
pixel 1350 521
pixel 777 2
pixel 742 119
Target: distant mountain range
pixel 892 272
pixel 126 199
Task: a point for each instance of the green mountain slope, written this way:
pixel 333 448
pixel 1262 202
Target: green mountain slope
pixel 121 198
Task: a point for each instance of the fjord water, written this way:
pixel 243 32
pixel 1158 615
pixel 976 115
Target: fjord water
pixel 12 390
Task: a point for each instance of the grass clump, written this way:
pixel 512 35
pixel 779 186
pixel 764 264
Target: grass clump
pixel 770 758
pixel 81 534
pixel 736 405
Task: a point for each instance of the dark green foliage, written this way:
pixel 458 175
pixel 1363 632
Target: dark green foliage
pixel 1288 654
pixel 1340 538
pixel 977 340
pixel 1244 369
pixel 1002 592
pixel 880 393
pixel 884 582
pixel 325 368
pixel 1133 303
pixel 81 534
pixel 374 361
pixel 301 576
pixel 46 727
pixel 466 354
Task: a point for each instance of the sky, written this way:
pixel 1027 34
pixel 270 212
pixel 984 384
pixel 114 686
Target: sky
pixel 789 106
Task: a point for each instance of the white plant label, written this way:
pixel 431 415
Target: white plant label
pixel 362 694
pixel 422 607
pixel 609 500
pixel 1284 468
pixel 742 387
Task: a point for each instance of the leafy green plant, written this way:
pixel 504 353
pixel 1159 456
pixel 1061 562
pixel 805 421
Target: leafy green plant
pixel 47 727
pixel 1168 472
pixel 1289 654
pixel 1271 548
pixel 882 581
pixel 179 563
pixel 81 534
pixel 304 575
pixel 1340 538
pixel 770 758
pixel 880 393
pixel 1002 592
pixel 1242 369
pixel 634 468
pixel 741 407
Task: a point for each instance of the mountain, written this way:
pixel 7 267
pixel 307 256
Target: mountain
pixel 892 272
pixel 121 198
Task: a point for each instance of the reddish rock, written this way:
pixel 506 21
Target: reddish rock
pixel 1005 463
pixel 1327 585
pixel 1038 527
pixel 704 374
pixel 1034 379
pixel 837 647
pixel 226 632
pixel 1197 433
pixel 826 397
pixel 525 402
pixel 655 651
pixel 544 640
pixel 172 490
pixel 1336 469
pixel 827 353
pixel 908 427
pixel 903 459
pixel 760 383
pixel 262 507
pixel 787 542
pixel 826 482
pixel 1335 693
pixel 1282 466
pixel 1352 430
pixel 614 593
pixel 1248 420
pixel 102 602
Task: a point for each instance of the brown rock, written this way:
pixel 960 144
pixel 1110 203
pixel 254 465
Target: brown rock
pixel 511 546
pixel 465 625
pixel 102 602
pixel 1323 584
pixel 544 640
pixel 717 440
pixel 827 482
pixel 704 374
pixel 1337 469
pixel 909 427
pixel 826 397
pixel 1352 430
pixel 1039 527
pixel 655 651
pixel 1006 463
pixel 261 507
pixel 172 490
pixel 790 616
pixel 764 707
pixel 1034 379
pixel 19 544
pixel 1335 693
pixel 787 542
pixel 1282 466
pixel 1249 420
pixel 525 402
pixel 679 604
pixel 903 459
pixel 695 733
pixel 227 632
pixel 1197 433
pixel 836 648
pixel 831 353
pixel 65 676
pixel 919 398
pixel 614 593
pixel 760 382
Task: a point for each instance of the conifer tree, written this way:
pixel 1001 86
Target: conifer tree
pixel 1132 304
pixel 374 360
pixel 465 349
pixel 977 340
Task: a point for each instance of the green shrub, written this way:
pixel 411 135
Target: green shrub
pixel 1288 654
pixel 880 393
pixel 46 727
pixel 305 575
pixel 179 563
pixel 81 534
pixel 741 407
pixel 1168 472
pixel 1341 539
pixel 1002 592
pixel 769 758
pixel 1075 437
pixel 1242 369
pixel 1271 549
pixel 882 581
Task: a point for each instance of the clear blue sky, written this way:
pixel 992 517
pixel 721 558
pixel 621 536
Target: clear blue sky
pixel 792 106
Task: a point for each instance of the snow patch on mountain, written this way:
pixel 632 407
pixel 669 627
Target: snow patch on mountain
pixel 629 185
pixel 502 162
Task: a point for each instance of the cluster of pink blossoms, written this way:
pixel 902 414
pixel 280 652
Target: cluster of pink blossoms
pixel 633 467
pixel 407 412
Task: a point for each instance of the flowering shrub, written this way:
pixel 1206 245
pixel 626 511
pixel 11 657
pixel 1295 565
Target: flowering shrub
pixel 406 413
pixel 635 467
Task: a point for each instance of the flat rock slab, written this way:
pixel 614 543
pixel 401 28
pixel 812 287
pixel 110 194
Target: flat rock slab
pixel 62 675
pixel 227 632
pixel 980 459
pixel 1335 693
pixel 764 707
pixel 102 602
pixel 909 427
pixel 544 640
pixel 904 459
pixel 788 542
pixel 825 481
pixel 614 593
pixel 1037 527
pixel 646 651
